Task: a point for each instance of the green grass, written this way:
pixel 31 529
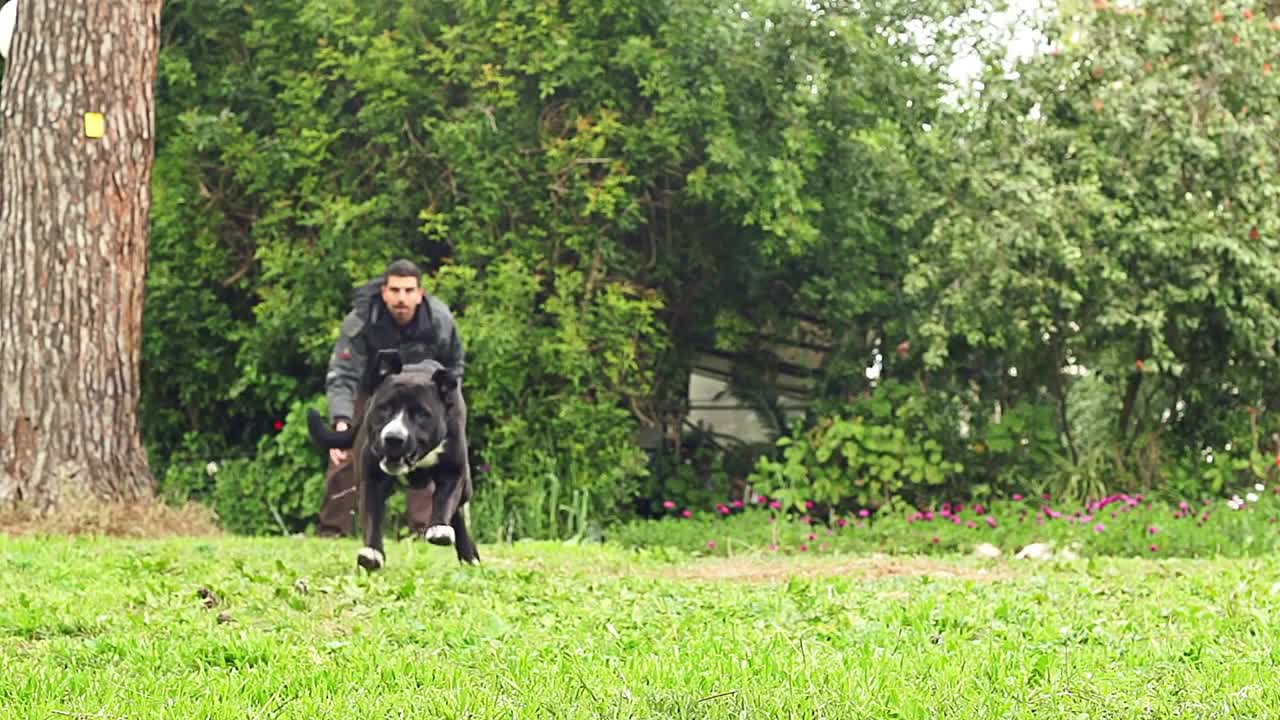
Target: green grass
pixel 117 629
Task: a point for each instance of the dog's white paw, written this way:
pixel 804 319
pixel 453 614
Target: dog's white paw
pixel 439 535
pixel 370 559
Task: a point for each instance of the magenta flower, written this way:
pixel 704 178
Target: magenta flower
pixel 722 509
pixel 1155 548
pixel 737 504
pixel 928 515
pixel 1099 528
pixel 808 504
pixel 812 536
pixel 1044 496
pixel 991 520
pixel 761 499
pixel 669 504
pixel 971 524
pixel 711 544
pixel 979 509
pixel 864 513
pixel 775 505
pixel 841 522
pixel 1153 530
pixel 773 547
pixel 1017 497
pixel 804 547
pixel 935 540
pixel 687 513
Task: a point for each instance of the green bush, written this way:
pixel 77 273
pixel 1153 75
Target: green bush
pixel 277 491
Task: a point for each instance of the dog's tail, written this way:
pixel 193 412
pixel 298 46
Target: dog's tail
pixel 327 438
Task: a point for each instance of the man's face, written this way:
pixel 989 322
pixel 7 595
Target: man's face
pixel 402 296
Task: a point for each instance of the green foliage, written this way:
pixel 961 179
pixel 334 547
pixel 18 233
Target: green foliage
pixel 753 163
pixel 867 456
pixel 279 489
pixel 1127 527
pixel 1115 194
pixel 547 390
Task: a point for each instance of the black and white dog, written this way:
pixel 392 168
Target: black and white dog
pixel 411 430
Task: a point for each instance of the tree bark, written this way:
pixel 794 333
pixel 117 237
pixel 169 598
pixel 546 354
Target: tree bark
pixel 74 221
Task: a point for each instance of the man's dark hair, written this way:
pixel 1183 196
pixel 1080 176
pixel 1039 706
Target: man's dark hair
pixel 402 268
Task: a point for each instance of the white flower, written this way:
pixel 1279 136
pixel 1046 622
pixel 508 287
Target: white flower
pixel 211 469
pixel 1251 497
pixel 1259 487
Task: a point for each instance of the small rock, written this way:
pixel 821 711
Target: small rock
pixel 987 550
pixel 224 618
pixel 301 586
pixel 1035 551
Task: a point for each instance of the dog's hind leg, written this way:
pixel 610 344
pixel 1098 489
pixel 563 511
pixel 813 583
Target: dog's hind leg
pixel 373 506
pixel 463 544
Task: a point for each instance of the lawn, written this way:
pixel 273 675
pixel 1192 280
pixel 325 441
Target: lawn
pixel 289 628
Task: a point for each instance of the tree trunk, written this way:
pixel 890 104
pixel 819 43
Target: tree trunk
pixel 74 220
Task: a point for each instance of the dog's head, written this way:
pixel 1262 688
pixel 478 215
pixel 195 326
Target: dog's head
pixel 406 420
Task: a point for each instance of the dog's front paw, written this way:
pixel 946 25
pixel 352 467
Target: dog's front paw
pixel 370 559
pixel 439 535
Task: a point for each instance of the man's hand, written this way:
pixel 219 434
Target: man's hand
pixel 336 456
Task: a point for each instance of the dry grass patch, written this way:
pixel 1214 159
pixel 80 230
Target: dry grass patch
pixel 134 520
pixel 872 567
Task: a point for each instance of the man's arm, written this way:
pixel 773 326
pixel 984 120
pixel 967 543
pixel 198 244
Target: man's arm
pixel 346 369
pixel 449 351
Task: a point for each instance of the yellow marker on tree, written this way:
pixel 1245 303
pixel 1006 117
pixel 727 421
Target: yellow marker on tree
pixel 94 125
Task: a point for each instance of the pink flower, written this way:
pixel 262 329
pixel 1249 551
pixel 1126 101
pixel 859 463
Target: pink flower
pixel 808 504
pixel 979 509
pixel 773 547
pixel 812 536
pixel 804 547
pixel 991 520
pixel 737 504
pixel 669 504
pixel 761 499
pixel 1155 548
pixel 687 513
pixel 864 513
pixel 1017 496
pixel 935 540
pixel 1099 528
pixel 1044 496
pixel 841 522
pixel 711 544
pixel 723 509
pixel 775 505
pixel 1153 530
pixel 278 425
pixel 971 524
pixel 928 515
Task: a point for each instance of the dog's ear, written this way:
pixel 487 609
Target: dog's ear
pixel 388 362
pixel 445 381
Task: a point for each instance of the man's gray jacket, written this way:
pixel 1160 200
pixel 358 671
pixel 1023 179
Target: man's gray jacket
pixel 369 327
